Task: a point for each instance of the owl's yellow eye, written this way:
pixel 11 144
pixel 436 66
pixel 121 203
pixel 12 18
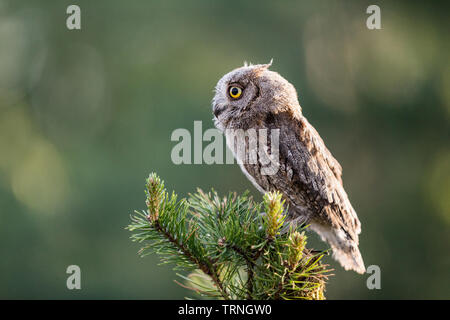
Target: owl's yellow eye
pixel 235 92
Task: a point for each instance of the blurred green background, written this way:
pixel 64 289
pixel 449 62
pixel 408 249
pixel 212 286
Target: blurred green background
pixel 85 115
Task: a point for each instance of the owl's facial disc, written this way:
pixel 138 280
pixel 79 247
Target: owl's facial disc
pixel 234 92
pixel 231 100
pixel 238 95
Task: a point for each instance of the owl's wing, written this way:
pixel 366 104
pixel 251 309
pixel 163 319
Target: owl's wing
pixel 318 174
pixel 316 143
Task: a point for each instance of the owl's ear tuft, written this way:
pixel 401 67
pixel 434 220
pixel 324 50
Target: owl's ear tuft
pixel 258 66
pixel 265 66
pixel 262 67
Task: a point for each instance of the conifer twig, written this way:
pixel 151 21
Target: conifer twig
pixel 231 250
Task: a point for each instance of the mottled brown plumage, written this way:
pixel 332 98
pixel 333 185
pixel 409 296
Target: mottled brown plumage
pixel 307 174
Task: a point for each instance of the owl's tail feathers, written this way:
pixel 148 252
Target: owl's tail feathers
pixel 350 259
pixel 345 251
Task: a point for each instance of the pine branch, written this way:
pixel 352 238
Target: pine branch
pixel 231 249
pixel 208 269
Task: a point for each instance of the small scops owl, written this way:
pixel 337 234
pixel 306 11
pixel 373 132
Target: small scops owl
pixel 254 100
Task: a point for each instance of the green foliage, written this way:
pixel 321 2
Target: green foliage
pixel 232 250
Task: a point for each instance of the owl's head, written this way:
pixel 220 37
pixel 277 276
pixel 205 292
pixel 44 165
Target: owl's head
pixel 250 93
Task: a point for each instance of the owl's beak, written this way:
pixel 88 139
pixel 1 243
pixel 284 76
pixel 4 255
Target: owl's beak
pixel 218 110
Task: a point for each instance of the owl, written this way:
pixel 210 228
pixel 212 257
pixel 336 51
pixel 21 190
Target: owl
pixel 253 98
